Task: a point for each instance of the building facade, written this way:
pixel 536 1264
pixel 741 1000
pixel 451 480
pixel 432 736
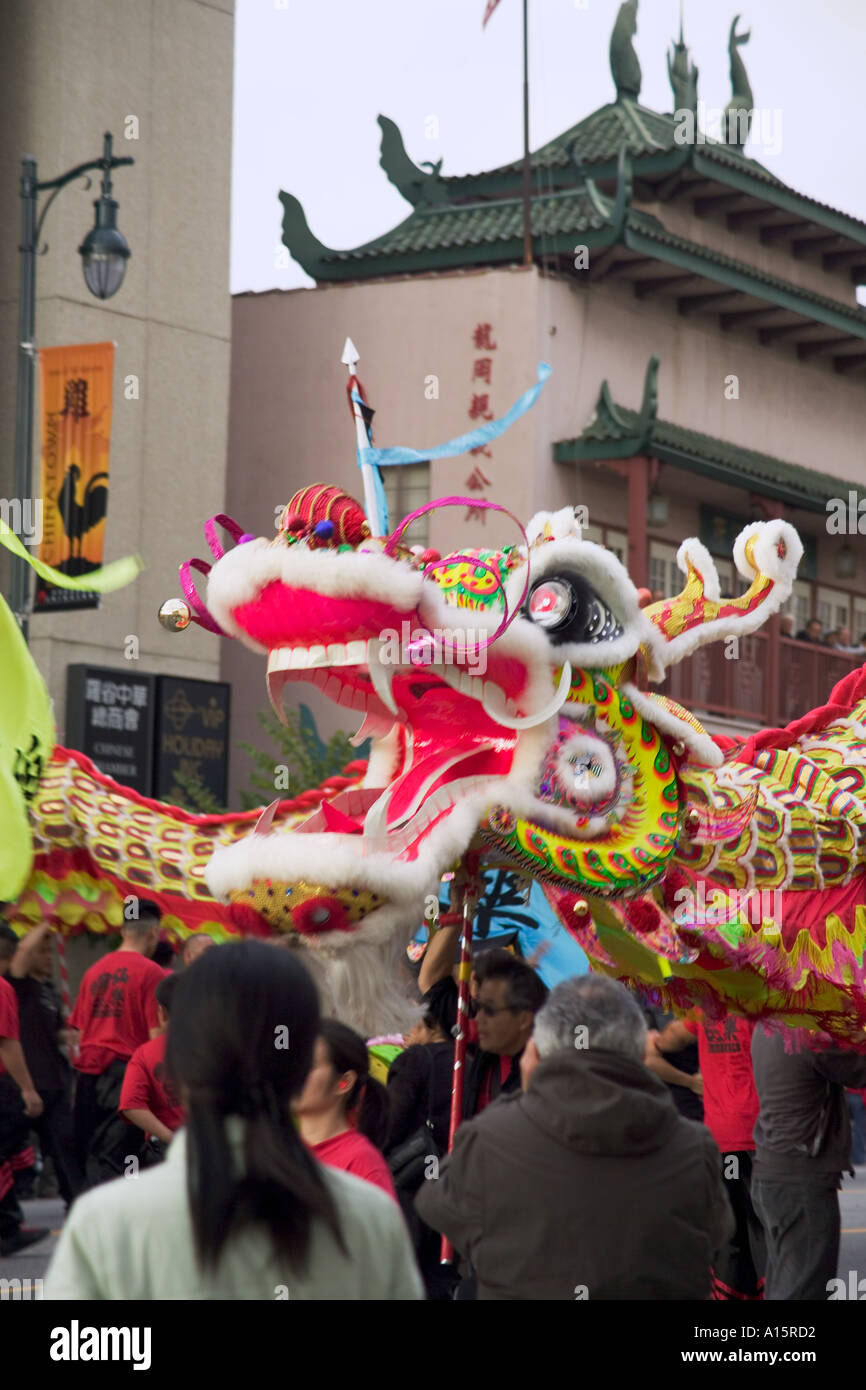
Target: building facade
pixel 68 72
pixel 158 75
pixel 708 354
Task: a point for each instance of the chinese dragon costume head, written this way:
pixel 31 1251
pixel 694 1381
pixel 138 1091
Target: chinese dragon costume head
pixel 505 694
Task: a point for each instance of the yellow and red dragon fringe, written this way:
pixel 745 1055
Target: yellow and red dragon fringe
pixel 97 844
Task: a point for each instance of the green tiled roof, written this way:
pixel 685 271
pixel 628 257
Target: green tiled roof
pixel 482 225
pixel 600 136
pixel 616 431
pixel 492 232
pixel 478 220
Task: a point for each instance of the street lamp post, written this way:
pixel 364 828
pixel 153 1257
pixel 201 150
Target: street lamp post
pixel 104 254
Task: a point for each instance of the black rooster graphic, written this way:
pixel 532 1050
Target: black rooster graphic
pixel 80 517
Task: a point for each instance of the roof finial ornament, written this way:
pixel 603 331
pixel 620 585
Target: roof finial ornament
pixel 737 117
pixel 683 75
pixel 418 184
pixel 624 63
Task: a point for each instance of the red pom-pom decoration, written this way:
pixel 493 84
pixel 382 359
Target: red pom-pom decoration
pixel 643 916
pixel 320 915
pixel 322 504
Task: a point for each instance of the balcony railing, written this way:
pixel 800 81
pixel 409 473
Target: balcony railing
pixel 767 679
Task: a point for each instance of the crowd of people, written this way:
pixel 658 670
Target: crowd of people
pixel 215 1136
pixel 839 638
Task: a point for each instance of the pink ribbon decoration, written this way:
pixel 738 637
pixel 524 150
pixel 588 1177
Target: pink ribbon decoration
pixel 200 613
pixel 508 618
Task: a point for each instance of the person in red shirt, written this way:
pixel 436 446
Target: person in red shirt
pixel 146 1096
pixel 115 1013
pixel 19 1104
pixel 731 1108
pixel 342 1110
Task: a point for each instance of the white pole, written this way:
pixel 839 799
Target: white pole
pixel 351 359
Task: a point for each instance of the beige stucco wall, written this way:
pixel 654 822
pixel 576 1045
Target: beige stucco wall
pixel 69 70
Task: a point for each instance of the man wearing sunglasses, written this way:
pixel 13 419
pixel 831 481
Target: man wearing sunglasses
pixel 509 996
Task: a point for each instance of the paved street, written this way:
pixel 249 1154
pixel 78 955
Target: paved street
pixel 32 1263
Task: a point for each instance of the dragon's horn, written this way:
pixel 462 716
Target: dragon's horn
pixel 765 552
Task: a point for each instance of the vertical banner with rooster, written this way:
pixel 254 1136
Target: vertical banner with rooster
pixel 76 387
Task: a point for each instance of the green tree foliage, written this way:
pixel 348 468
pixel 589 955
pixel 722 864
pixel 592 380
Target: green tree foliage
pixel 296 759
pixel 194 795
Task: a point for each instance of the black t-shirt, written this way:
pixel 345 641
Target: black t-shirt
pixel 40 1016
pixel 690 1106
pixel 419 1083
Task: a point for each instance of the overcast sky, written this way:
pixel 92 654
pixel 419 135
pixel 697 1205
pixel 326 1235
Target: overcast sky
pixel 311 76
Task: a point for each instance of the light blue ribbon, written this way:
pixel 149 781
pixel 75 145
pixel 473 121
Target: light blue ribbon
pixel 491 429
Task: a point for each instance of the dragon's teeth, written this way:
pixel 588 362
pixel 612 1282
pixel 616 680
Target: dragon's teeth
pixel 382 676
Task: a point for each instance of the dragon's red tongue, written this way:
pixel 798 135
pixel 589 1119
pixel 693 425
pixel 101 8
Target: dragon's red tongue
pixel 439 767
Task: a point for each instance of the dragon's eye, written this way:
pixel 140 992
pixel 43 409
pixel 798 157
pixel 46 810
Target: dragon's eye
pixel 570 610
pixel 550 604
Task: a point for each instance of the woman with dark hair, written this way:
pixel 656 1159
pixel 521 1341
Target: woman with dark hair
pixel 343 1110
pixel 240 1209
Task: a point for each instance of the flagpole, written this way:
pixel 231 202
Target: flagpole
pixel 350 359
pixel 527 195
pixel 464 970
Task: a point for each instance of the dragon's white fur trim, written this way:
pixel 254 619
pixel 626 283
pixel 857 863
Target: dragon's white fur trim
pixel 781 571
pixel 701 746
pixel 695 551
pixel 244 571
pixel 562 523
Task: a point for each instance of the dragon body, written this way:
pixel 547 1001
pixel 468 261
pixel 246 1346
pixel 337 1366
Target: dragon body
pixel 506 695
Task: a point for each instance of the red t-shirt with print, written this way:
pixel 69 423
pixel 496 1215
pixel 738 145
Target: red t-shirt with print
pixel 146 1086
pixel 8 1014
pixel 731 1102
pixel 354 1153
pixel 115 1009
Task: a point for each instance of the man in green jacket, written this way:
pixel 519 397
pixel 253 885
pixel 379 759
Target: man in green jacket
pixel 587 1183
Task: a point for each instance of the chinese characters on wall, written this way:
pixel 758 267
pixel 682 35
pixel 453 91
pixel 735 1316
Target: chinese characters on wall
pixel 479 410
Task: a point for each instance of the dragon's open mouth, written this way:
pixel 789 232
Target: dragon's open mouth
pixel 440 733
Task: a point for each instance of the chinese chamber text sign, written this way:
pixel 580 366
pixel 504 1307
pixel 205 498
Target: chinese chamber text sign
pixel 76 386
pixel 109 717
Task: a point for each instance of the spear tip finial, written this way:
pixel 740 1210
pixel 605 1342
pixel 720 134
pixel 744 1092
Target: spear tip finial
pixel 351 356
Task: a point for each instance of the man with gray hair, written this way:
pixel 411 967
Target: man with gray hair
pixel 587 1183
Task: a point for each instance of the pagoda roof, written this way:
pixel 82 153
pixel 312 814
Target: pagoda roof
pixel 593 186
pixel 618 432
pixel 718 178
pixel 599 137
pixel 621 241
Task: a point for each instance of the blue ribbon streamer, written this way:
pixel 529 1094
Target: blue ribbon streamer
pixel 491 429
